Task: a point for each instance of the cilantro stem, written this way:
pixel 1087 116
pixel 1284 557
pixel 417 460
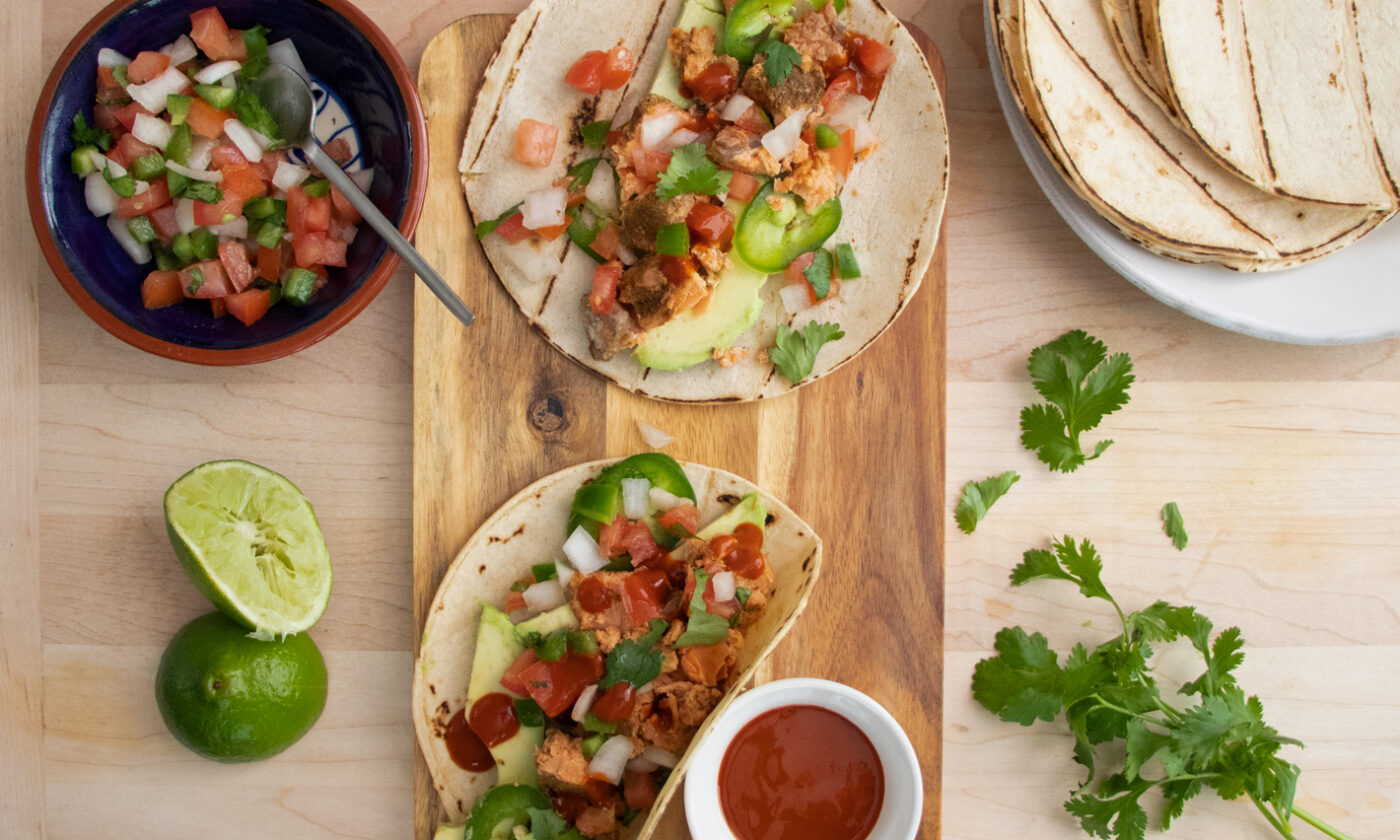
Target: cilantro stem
pixel 1279 826
pixel 1318 824
pixel 1104 704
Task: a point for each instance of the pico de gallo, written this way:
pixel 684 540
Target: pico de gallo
pixel 745 161
pixel 184 162
pixel 655 612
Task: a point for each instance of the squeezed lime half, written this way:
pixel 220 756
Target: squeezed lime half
pixel 250 541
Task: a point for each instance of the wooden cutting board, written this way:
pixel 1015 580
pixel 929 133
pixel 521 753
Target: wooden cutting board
pixel 858 454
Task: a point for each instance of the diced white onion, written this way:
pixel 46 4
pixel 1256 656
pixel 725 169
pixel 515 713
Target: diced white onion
pixel 584 703
pixel 795 297
pixel 152 130
pixel 545 208
pixel 635 501
pixel 100 197
pixel 661 500
pixel 201 153
pixel 285 52
pixel 141 186
pixel 180 50
pixel 611 759
pixel 654 437
pixel 236 229
pixel 545 595
pixel 138 252
pixel 108 57
pixel 640 764
pixel 209 175
pixel 288 175
pixel 216 72
pixel 229 82
pixel 660 757
pixel 248 141
pixel 583 553
pixel 865 135
pixel 96 159
pixel 116 170
pixel 627 255
pixel 853 109
pixel 348 234
pixel 152 94
pixel 736 107
pixel 565 572
pixel 184 215
pixel 680 137
pixel 601 190
pixel 363 179
pixel 724 587
pixel 781 141
pixel 656 129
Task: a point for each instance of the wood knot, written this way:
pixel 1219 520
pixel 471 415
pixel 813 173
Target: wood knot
pixel 547 416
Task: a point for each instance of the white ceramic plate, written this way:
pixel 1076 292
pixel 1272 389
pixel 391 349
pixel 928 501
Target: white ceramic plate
pixel 1350 297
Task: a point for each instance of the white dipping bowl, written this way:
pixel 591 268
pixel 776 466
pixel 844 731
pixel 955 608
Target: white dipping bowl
pixel 903 805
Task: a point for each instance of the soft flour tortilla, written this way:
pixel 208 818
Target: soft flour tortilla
pixel 893 200
pixel 1277 90
pixel 529 529
pixel 1124 156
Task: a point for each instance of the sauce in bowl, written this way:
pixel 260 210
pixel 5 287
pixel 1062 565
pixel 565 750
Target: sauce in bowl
pixel 801 773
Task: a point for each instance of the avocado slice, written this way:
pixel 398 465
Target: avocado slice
pixel 692 336
pixel 694 13
pixel 750 509
pixel 497 646
pixel 450 832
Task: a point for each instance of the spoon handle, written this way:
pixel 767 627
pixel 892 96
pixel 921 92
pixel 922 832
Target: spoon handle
pixel 391 235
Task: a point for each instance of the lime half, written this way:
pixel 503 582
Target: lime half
pixel 250 541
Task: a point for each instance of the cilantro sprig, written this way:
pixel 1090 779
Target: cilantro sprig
pixel 978 497
pixel 85 135
pixel 1111 694
pixel 703 627
pixel 634 661
pixel 780 60
pixel 690 172
pixel 1082 385
pixel 795 352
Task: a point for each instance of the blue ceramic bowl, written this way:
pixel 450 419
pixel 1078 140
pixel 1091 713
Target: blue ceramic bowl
pixel 344 51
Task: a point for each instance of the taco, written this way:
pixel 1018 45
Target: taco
pixel 589 632
pixel 640 170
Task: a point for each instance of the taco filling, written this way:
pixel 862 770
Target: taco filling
pixel 729 170
pixel 592 674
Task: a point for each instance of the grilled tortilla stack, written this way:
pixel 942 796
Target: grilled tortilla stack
pixel 1127 158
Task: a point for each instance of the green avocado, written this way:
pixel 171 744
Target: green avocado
pixel 692 336
pixel 450 832
pixel 497 646
pixel 695 13
pixel 750 509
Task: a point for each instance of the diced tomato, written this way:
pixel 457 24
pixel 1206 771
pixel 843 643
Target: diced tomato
pixel 650 164
pixel 551 233
pixel 710 225
pixel 606 242
pixel 714 83
pixel 128 149
pixel 513 230
pixel 126 115
pixel 842 86
pixel 226 154
pixel 318 213
pixel 598 70
pixel 618 68
pixel 164 221
pixel 217 307
pixel 268 165
pixel 610 537
pixel 146 66
pixel 211 34
pixel 644 594
pixel 343 209
pixel 156 195
pixel 753 121
pixel 686 516
pixel 161 289
pixel 535 142
pixel 511 681
pixel 235 260
pixel 743 186
pixel 515 601
pixel 296 210
pixel 248 306
pixel 269 263
pixel 604 293
pixel 215 284
pixel 108 88
pixel 318 248
pixel 104 116
pixel 243 179
pixel 616 703
pixel 874 57
pixel 338 150
pixel 843 157
pixel 556 686
pixel 238 48
pixel 227 209
pixel 639 789
pixel 206 120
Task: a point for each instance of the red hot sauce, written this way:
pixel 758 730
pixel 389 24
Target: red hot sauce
pixel 801 773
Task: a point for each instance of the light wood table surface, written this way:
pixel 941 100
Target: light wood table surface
pixel 1285 461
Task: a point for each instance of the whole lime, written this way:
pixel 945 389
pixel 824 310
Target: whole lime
pixel 233 698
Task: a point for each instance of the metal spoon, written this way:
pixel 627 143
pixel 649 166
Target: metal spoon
pixel 287 97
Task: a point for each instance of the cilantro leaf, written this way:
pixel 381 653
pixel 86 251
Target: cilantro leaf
pixel 779 61
pixel 545 824
pixel 690 172
pixel 595 134
pixel 794 353
pixel 634 661
pixel 85 136
pixel 204 191
pixel 251 112
pixel 819 273
pixel 703 627
pixel 1173 524
pixel 529 712
pixel 581 173
pixel 1077 564
pixel 1082 384
pixel 979 496
pixel 488 227
pixel 1022 683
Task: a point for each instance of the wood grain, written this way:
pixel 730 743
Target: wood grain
pixel 814 449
